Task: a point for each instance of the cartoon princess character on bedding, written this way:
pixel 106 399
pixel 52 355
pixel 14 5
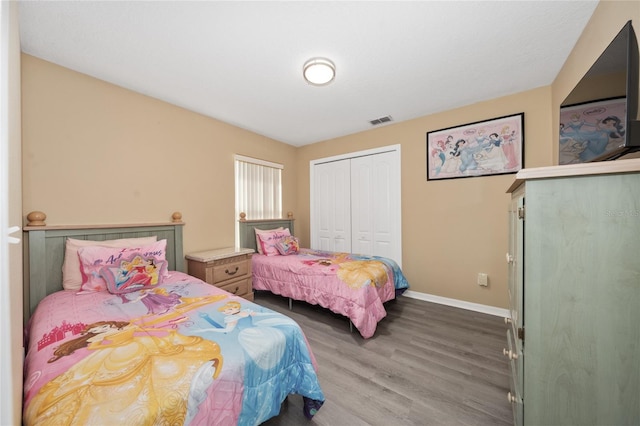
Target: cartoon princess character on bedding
pixel 256 330
pixel 356 273
pixel 124 370
pixel 360 273
pixel 161 300
pixel 233 315
pixel 129 359
pixel 157 300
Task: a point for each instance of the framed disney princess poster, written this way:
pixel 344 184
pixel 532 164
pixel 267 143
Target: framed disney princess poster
pixel 483 148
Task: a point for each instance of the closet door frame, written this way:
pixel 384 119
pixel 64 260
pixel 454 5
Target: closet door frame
pixel 397 202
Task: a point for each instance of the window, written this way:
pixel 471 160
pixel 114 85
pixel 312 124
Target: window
pixel 258 188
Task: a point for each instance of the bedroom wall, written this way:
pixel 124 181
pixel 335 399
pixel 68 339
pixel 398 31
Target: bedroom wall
pixel 605 23
pixel 452 229
pixel 96 153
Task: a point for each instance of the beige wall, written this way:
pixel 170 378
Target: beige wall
pixel 97 153
pixel 607 20
pixel 452 229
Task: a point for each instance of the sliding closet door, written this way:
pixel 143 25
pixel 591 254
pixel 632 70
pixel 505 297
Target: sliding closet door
pixel 355 203
pixel 375 205
pixel 332 218
pixel 362 196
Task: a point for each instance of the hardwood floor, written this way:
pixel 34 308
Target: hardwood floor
pixel 427 364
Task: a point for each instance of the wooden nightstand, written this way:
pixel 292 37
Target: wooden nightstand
pixel 226 268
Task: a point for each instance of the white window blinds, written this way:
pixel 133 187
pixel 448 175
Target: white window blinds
pixel 258 188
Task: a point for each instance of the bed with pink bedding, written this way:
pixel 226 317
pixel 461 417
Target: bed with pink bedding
pixel 170 350
pixel 352 285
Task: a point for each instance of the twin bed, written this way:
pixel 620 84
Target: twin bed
pixel 157 346
pixel 138 341
pixel 352 285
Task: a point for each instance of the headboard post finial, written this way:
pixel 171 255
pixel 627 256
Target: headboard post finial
pixel 36 218
pixel 176 217
pixel 289 215
pixel 243 216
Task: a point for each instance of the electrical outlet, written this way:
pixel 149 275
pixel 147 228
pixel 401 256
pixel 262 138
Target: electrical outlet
pixel 483 279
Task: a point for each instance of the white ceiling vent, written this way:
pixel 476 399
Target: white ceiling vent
pixel 381 120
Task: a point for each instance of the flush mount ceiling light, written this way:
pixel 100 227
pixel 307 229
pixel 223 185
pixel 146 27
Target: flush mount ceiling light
pixel 319 71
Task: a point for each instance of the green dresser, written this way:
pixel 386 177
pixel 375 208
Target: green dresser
pixel 574 284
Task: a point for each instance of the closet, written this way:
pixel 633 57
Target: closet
pixel 356 204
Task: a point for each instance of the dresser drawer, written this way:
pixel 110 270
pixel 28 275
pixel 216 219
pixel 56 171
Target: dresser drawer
pixel 230 270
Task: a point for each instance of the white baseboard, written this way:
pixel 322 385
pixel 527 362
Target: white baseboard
pixel 485 309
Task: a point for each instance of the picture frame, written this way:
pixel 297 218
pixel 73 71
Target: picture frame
pixel 591 129
pixel 483 148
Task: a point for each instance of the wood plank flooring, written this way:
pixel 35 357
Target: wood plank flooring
pixel 427 364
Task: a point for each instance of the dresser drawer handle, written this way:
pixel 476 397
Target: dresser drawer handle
pixel 509 354
pixel 236 290
pixel 231 273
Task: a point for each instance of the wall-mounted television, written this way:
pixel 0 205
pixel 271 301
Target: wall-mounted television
pixel 599 118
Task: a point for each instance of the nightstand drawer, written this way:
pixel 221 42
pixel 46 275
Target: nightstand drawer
pixel 239 288
pixel 230 271
pixel 227 268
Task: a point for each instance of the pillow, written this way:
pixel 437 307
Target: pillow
pixel 94 258
pixel 288 245
pixel 133 273
pixel 71 276
pixel 269 239
pixel 260 231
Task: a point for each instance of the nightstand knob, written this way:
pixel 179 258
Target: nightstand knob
pixel 509 258
pixel 511 398
pixel 507 320
pixel 231 272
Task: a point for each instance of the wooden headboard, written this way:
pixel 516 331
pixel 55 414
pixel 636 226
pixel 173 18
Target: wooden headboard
pixel 246 228
pixel 45 245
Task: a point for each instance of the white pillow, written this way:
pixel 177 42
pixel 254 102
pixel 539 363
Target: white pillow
pixel 71 276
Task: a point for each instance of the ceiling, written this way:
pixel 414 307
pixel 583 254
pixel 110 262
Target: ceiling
pixel 241 62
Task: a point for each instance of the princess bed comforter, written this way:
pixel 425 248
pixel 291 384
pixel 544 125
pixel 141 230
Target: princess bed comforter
pixel 184 352
pixel 352 285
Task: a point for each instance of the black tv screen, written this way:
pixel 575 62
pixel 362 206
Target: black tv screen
pixel 599 118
